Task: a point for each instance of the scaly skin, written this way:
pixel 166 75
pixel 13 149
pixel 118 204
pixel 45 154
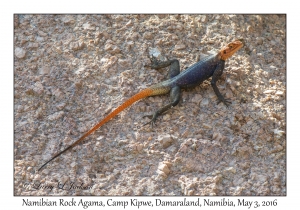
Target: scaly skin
pixel 211 66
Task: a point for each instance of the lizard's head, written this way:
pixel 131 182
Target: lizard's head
pixel 230 49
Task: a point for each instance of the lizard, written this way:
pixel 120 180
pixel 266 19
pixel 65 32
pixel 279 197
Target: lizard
pixel 210 66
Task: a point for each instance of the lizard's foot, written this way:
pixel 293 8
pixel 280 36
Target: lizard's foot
pixel 154 62
pixel 224 101
pixel 157 64
pixel 152 121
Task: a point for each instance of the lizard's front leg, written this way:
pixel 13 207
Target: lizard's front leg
pixel 216 76
pixel 157 64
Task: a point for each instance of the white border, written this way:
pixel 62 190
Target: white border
pixel 152 6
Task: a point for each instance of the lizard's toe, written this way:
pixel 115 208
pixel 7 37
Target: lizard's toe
pixel 227 102
pixel 152 122
pixel 148 116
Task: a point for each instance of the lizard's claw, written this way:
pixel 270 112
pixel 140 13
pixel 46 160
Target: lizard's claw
pixel 224 101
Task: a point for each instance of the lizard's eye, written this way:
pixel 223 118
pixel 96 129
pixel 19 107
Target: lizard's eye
pixel 230 46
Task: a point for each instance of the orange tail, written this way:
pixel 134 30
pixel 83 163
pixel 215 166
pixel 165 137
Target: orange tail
pixel 142 94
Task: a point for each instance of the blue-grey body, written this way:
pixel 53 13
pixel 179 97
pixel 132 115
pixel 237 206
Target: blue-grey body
pixel 194 75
